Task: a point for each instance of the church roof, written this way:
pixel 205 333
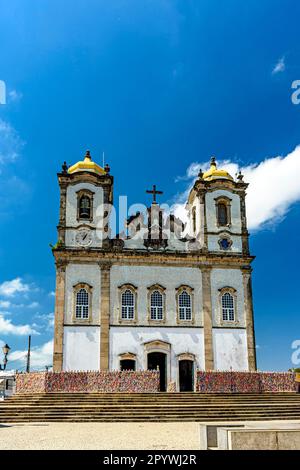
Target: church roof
pixel 215 173
pixel 87 165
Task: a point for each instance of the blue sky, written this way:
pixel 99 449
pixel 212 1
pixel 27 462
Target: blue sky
pixel 160 86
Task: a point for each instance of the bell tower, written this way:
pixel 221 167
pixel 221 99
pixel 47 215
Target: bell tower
pixel 86 195
pixel 217 211
pixel 86 192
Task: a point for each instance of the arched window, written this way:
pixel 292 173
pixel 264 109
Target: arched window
pixel 156 305
pixel 222 213
pixel 128 304
pixel 185 306
pixel 85 207
pixel 82 304
pixel 228 313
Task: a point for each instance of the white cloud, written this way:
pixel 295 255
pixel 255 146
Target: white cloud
pixel 10 288
pixel 14 191
pixel 5 304
pixel 280 66
pixel 10 143
pixel 14 95
pixel 33 305
pixel 47 318
pixel 40 356
pixel 273 188
pixel 8 328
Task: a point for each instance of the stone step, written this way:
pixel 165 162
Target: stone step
pixel 146 416
pixel 275 406
pixel 182 395
pixel 51 397
pixel 164 407
pixel 140 413
pixel 151 400
pixel 149 419
pixel 216 400
pixel 147 413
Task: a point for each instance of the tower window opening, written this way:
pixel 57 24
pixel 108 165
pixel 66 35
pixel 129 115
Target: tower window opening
pixel 85 207
pixel 222 214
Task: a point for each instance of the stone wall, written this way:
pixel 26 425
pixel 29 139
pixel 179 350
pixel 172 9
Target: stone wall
pixel 245 382
pixel 102 381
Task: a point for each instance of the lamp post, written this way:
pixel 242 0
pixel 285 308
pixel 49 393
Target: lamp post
pixel 5 350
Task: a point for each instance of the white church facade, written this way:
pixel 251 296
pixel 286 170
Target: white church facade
pixel 164 294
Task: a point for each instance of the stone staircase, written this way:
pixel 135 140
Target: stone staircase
pixel 163 407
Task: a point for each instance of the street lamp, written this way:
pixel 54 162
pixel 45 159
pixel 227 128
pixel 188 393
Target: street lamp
pixel 5 350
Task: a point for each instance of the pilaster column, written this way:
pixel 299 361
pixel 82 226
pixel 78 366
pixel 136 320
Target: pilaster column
pixel 202 221
pixel 245 234
pixel 62 213
pixel 105 315
pixel 106 215
pixel 207 317
pixel 248 304
pixel 59 316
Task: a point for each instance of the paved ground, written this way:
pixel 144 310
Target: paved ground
pixel 112 436
pixel 148 436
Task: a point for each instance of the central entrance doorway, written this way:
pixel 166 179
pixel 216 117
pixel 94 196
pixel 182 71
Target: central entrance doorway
pixel 159 359
pixel 186 376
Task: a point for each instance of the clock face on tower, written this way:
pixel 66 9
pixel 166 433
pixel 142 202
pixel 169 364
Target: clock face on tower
pixel 84 237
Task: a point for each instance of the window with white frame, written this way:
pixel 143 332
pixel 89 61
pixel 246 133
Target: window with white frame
pixel 128 304
pixel 156 305
pixel 185 306
pixel 228 313
pixel 82 304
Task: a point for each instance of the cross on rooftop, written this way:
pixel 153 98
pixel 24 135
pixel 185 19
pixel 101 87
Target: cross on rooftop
pixel 154 192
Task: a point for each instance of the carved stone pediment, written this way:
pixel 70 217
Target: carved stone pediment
pixel 128 356
pixel 157 345
pixel 186 357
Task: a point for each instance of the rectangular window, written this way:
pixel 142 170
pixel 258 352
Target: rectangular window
pixel 156 313
pixel 127 312
pixel 185 313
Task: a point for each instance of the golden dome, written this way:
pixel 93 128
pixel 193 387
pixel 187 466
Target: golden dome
pixel 87 165
pixel 213 173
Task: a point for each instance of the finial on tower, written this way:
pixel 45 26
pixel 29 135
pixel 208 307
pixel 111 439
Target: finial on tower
pixel 200 174
pixel 88 155
pixel 107 169
pixel 240 176
pixel 64 168
pixel 213 162
pixel 214 173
